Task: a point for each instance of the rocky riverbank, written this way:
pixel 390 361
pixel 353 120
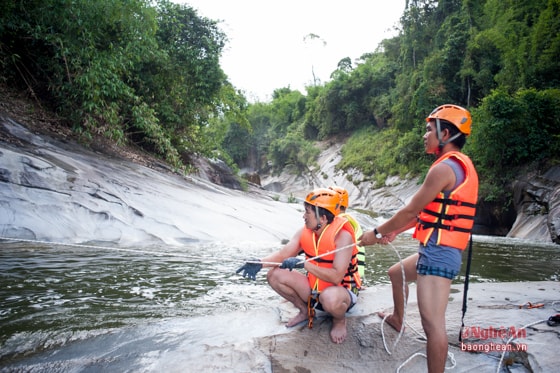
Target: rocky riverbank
pixel 535 215
pixel 498 317
pixel 54 190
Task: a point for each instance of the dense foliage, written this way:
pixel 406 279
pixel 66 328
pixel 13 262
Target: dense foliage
pixel 498 58
pixel 127 69
pixel 148 72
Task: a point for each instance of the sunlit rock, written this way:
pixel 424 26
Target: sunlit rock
pixel 59 192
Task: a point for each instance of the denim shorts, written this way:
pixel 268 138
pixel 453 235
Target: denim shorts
pixel 442 261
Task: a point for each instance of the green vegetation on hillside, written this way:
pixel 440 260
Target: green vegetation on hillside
pixel 132 71
pixel 499 59
pixel 148 73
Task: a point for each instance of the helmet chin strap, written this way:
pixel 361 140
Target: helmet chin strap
pixel 441 142
pixel 319 225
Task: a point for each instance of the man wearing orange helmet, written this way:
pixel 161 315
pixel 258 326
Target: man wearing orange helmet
pixel 344 202
pixel 442 212
pixel 332 282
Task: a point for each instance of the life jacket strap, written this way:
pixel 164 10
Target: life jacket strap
pixel 321 260
pixel 312 302
pixel 449 201
pixel 448 216
pixel 427 225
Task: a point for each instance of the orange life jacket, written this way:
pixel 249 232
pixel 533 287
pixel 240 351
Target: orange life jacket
pixel 313 247
pixel 452 217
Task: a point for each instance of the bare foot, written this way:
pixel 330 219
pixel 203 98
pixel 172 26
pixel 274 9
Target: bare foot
pixel 300 317
pixel 391 320
pixel 338 330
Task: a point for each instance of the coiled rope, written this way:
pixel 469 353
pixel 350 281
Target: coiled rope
pixel 404 322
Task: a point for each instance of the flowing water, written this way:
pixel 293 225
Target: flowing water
pixel 85 308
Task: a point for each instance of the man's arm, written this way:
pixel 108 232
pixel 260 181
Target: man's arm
pixel 253 266
pixel 292 248
pixel 438 179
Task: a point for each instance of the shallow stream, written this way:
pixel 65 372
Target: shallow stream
pixel 85 308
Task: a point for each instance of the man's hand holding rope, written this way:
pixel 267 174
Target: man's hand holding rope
pixel 291 263
pixel 368 239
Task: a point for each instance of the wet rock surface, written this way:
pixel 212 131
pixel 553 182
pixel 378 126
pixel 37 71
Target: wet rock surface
pixel 61 192
pixel 534 216
pixel 537 202
pixel 497 316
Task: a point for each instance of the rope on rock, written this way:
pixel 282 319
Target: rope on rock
pixel 511 339
pixel 404 322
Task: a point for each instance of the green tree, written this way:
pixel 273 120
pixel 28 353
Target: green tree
pixel 184 82
pixel 259 117
pixel 125 69
pixel 514 20
pixel 511 131
pixel 292 150
pixel 544 48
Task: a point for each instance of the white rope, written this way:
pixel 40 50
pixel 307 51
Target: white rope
pixel 134 251
pixel 309 259
pixel 257 261
pixel 450 355
pixel 512 338
pixel 160 253
pixel 330 252
pixel 405 302
pixel 409 359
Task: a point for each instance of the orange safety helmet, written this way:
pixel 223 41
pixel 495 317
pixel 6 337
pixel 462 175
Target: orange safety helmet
pixel 343 195
pixel 325 198
pixel 458 116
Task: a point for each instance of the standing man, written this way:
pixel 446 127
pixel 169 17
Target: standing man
pixel 442 212
pixel 332 282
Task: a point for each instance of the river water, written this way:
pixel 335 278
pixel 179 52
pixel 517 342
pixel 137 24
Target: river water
pixel 88 308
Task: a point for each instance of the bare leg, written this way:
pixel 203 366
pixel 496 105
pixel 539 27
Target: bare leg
pixel 293 287
pixel 336 300
pixel 433 296
pixel 395 274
